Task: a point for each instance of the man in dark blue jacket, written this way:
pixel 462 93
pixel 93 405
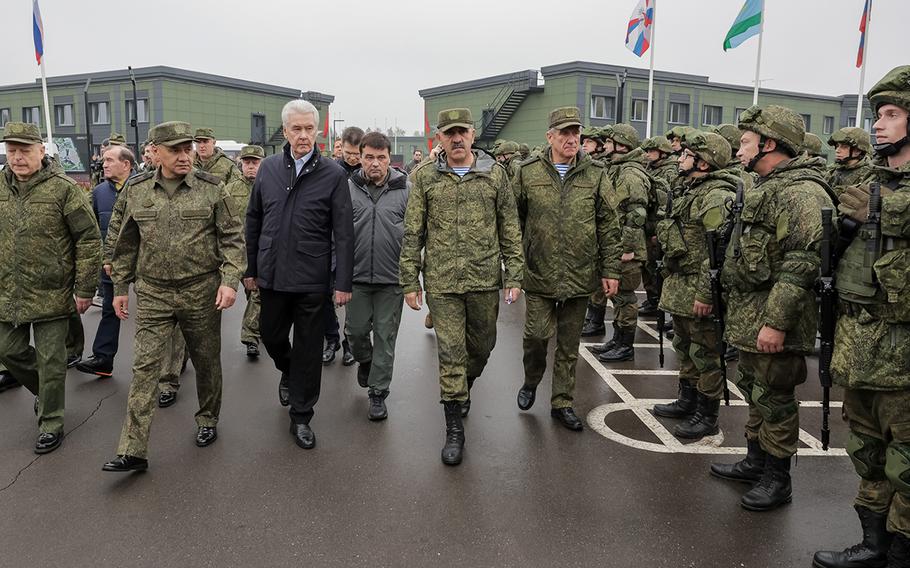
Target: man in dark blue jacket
pixel 299 204
pixel 117 163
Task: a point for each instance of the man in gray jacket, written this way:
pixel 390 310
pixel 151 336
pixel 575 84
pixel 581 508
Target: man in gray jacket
pixel 379 196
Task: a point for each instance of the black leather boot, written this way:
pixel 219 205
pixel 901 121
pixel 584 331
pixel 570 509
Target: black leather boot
pixel 594 321
pixel 871 552
pixel 899 553
pixel 623 350
pixel 451 452
pixel 773 489
pixel 702 423
pixel 648 307
pixel 748 470
pixel 683 406
pixel 609 344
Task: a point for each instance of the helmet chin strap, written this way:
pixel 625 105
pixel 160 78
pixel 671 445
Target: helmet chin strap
pixel 750 167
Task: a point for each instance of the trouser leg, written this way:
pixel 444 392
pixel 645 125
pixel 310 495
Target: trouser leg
pixel 75 335
pixel 201 325
pixel 107 338
pixel 18 356
pixel 173 364
pixel 249 332
pixel 387 303
pixel 482 311
pixel 449 316
pixel 570 317
pixel 540 326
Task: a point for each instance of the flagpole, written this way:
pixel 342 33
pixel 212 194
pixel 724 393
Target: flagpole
pixel 51 147
pixel 862 71
pixel 761 33
pixel 651 71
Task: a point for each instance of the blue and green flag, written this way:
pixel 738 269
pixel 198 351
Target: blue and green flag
pixel 747 24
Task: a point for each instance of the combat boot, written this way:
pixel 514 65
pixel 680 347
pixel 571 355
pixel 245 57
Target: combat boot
pixel 648 307
pixel 702 423
pixel 623 351
pixel 872 552
pixel 773 489
pixel 899 553
pixel 683 406
pixel 607 346
pixel 451 452
pixel 748 470
pixel 594 321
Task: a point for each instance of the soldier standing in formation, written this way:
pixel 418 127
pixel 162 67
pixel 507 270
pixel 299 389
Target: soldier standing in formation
pixel 851 166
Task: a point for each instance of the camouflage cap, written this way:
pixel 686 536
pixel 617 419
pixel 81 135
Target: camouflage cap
pixel 204 134
pixel 710 147
pixel 454 118
pixel 593 133
pixel 564 117
pixel 171 133
pixel 626 135
pixel 852 136
pixel 730 132
pixel 812 144
pixel 659 143
pixel 778 123
pixel 116 139
pixel 507 147
pixel 894 88
pixel 22 132
pixel 252 151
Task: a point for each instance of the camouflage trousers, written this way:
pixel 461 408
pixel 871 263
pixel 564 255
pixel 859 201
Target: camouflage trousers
pixel 879 446
pixel 249 332
pixel 174 362
pixel 625 303
pixel 40 369
pixel 546 317
pixel 159 310
pixel 374 308
pixel 695 343
pixel 465 326
pixel 768 381
pixel 75 335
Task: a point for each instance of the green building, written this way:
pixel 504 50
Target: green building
pixel 515 106
pixel 101 103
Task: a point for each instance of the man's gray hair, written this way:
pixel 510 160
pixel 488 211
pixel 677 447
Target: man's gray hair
pixel 298 106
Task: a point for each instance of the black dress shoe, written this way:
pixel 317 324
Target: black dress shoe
pixel 526 397
pixel 206 435
pixel 7 381
pixel 363 373
pixel 126 463
pixel 567 418
pixel 347 357
pixel 48 442
pixel 166 399
pixel 100 366
pixel 284 395
pixel 252 350
pixel 328 354
pixel 72 360
pixel 303 436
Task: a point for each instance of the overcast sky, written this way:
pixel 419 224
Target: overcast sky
pixel 374 56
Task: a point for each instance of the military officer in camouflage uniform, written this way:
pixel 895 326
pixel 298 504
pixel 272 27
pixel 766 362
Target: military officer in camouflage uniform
pixel 872 339
pixel 676 135
pixel 50 247
pixel 460 221
pixel 181 245
pixel 700 205
pixel 663 168
pixel 572 247
pixel 592 141
pixel 210 158
pixel 507 155
pixel 851 166
pixel 768 277
pixel 630 198
pixel 662 160
pixel 240 189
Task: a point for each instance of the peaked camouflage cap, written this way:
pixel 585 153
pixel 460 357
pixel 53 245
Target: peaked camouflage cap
pixel 710 147
pixel 564 117
pixel 507 147
pixel 730 132
pixel 659 143
pixel 626 135
pixel 454 118
pixel 894 88
pixel 776 122
pixel 22 132
pixel 852 136
pixel 252 151
pixel 171 133
pixel 204 134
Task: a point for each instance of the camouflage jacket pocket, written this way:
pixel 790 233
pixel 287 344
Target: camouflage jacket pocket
pixel 893 272
pixel 671 239
pixel 752 270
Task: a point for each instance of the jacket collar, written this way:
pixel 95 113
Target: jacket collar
pixel 395 179
pixel 483 162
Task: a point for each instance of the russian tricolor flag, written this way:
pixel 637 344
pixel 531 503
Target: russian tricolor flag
pixel 37 31
pixel 638 34
pixel 862 35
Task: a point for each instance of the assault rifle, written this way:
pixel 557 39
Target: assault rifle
pixel 828 297
pixel 659 284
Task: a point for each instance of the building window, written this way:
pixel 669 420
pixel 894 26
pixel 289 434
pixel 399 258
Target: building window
pixel 4 116
pixel 63 115
pixel 32 115
pixel 143 110
pixel 639 110
pixel 808 120
pixel 712 115
pixel 100 114
pixel 829 125
pixel 867 124
pixel 679 113
pixel 602 107
pixel 736 112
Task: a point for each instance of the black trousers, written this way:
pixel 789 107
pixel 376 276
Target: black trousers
pixel 302 360
pixel 108 335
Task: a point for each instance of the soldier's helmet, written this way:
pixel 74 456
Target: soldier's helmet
pixel 524 149
pixel 659 143
pixel 606 132
pixel 710 147
pixel 852 136
pixel 507 147
pixel 778 123
pixel 592 132
pixel 812 144
pixel 730 133
pixel 894 88
pixel 678 132
pixel 626 135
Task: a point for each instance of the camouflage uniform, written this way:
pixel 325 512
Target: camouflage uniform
pixel 842 175
pixel 219 164
pixel 177 247
pixel 561 273
pixel 240 190
pixel 50 247
pixel 666 172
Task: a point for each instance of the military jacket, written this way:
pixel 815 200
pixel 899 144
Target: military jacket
pixel 240 189
pixel 702 204
pixel 842 176
pixel 456 229
pixel 172 239
pixel 630 199
pixel 50 246
pixel 666 169
pixel 220 165
pixel 737 168
pixel 772 261
pixel 570 231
